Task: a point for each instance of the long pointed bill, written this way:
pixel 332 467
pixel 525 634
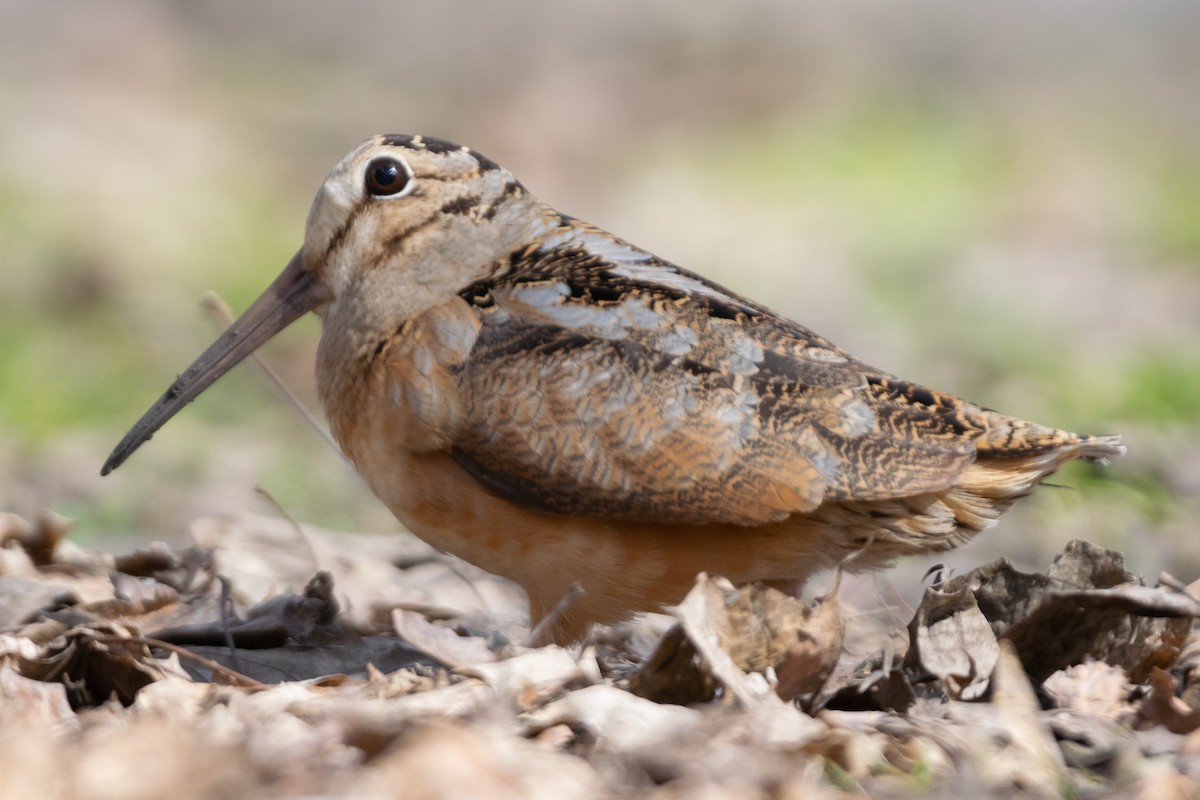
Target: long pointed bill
pixel 295 292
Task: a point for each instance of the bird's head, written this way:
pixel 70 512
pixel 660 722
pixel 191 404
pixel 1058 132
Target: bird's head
pixel 400 224
pixel 403 222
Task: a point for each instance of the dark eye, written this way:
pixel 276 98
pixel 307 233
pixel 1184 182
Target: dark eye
pixel 386 176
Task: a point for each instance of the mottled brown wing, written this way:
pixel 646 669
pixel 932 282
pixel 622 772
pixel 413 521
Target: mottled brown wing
pixel 645 392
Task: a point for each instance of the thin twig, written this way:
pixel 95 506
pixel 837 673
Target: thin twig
pixel 226 615
pixel 300 534
pixel 573 594
pixel 218 309
pixel 889 605
pixel 1171 582
pixel 245 681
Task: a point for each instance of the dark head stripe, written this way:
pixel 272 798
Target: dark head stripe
pixel 433 144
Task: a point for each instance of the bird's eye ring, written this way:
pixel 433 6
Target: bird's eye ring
pixel 387 177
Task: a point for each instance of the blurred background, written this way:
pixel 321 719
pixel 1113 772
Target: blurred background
pixel 999 200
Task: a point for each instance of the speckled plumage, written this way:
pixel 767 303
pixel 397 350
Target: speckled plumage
pixel 554 404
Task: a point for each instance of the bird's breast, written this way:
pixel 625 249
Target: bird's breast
pixel 396 390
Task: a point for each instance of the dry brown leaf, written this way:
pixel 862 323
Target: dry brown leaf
pixel 447 762
pixel 1017 706
pixel 951 639
pixel 1094 743
pixel 529 679
pixel 776 727
pixel 879 690
pixel 954 740
pixel 132 597
pixel 96 663
pixel 13 528
pixel 1084 605
pixel 187 570
pixel 808 661
pixel 1188 665
pixel 1168 784
pixel 378 720
pixel 556 736
pixel 36 707
pixel 613 719
pixel 730 636
pixel 1092 688
pixel 672 673
pixel 1162 707
pixel 39 540
pixel 23 599
pixel 439 642
pixel 14 647
pixel 704 617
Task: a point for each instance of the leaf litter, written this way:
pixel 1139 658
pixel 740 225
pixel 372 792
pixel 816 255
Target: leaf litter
pixel 277 660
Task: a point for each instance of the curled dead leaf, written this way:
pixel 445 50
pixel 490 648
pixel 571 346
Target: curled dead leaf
pixel 1085 605
pixel 96 663
pixel 732 637
pixel 1093 687
pixel 39 540
pixel 439 642
pixel 951 639
pixel 1163 707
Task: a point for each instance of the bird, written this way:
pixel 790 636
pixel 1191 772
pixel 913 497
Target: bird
pixel 558 406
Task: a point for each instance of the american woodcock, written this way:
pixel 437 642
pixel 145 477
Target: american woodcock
pixel 547 401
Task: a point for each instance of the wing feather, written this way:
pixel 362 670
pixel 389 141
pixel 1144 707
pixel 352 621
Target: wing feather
pixel 606 382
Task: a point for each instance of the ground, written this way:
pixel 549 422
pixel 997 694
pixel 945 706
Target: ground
pixel 275 660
